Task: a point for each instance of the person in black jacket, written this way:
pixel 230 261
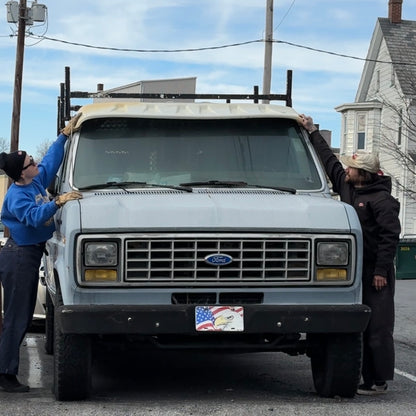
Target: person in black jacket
pixel 364 186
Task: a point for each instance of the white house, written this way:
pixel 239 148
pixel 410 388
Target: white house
pixel 383 117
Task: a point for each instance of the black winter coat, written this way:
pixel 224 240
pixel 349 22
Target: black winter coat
pixel 377 211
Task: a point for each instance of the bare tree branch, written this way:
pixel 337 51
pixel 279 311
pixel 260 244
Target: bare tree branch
pixel 398 140
pixel 42 148
pixel 4 145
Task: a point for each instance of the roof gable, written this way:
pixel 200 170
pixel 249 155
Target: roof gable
pixel 400 39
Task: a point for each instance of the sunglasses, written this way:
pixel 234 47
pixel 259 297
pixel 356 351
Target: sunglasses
pixel 31 163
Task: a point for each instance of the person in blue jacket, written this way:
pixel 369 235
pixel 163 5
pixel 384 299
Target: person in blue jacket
pixel 28 214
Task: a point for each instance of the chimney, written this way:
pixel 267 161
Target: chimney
pixel 395 11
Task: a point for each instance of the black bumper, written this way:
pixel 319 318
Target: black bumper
pixel 180 319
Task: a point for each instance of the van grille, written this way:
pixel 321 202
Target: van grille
pixel 182 261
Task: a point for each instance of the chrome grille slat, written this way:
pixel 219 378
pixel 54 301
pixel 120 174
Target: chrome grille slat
pixel 182 260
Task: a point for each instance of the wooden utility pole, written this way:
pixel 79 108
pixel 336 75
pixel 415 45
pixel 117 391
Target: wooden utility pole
pixel 18 76
pixel 17 99
pixel 267 74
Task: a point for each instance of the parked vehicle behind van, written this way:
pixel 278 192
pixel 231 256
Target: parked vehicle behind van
pixel 2 237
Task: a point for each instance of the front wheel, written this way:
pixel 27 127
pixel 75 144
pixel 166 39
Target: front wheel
pixel 336 363
pixel 72 362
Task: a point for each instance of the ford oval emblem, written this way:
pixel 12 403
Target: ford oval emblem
pixel 218 259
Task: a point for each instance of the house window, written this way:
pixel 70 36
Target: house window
pixel 392 77
pixel 378 81
pixel 399 130
pixel 361 130
pixel 345 127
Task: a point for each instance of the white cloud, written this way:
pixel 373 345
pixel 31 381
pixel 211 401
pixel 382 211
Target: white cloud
pixel 320 81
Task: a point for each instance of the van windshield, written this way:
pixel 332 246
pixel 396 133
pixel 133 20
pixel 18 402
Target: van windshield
pixel 266 152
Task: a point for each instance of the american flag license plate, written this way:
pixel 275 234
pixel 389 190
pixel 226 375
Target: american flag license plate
pixel 219 318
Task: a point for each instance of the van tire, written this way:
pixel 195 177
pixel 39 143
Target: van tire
pixel 72 363
pixel 336 363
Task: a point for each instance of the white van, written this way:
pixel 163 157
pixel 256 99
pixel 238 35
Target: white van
pixel 202 225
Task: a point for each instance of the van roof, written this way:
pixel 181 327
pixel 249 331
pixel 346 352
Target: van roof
pixel 172 110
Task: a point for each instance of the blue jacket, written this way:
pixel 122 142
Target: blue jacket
pixel 27 210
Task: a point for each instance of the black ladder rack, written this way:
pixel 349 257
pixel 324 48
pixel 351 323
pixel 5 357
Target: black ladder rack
pixel 65 107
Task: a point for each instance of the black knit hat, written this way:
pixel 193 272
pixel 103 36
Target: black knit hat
pixel 12 163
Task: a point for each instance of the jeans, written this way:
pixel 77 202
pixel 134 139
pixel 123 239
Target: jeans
pixel 19 275
pixel 378 353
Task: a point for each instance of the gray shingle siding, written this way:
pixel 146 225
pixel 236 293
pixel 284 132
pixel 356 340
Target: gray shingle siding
pixel 401 43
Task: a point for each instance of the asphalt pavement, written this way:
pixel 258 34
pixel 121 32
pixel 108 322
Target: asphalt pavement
pixel 249 387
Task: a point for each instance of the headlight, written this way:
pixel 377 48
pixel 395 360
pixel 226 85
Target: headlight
pixel 332 254
pixel 98 260
pixel 100 254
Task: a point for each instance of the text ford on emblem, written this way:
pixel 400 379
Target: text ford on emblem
pixel 218 259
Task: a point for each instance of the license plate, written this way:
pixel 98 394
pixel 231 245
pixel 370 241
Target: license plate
pixel 219 318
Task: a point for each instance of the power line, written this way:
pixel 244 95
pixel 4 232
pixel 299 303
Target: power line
pixel 230 45
pixel 148 50
pixel 341 54
pixel 285 15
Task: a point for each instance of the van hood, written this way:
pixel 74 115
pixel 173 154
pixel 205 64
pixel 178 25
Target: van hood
pixel 209 210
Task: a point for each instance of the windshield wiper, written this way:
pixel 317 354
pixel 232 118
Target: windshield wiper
pixel 276 188
pixel 177 187
pixel 238 184
pixel 99 186
pixel 126 184
pixel 216 183
pixel 110 185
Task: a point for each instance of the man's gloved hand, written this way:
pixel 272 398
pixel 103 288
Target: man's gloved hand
pixel 307 122
pixel 69 196
pixel 70 127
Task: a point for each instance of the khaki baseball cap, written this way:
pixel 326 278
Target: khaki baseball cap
pixel 365 161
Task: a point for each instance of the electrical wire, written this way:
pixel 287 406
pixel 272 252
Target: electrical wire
pixel 342 55
pixel 285 15
pixel 231 45
pixel 46 24
pixel 148 50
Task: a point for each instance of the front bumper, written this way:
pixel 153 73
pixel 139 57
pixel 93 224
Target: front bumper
pixel 180 319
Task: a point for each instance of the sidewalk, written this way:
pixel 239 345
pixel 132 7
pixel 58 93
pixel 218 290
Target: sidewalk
pixel 405 300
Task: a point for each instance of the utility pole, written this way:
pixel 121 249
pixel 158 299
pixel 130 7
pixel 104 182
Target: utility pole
pixel 267 74
pixel 18 76
pixel 21 15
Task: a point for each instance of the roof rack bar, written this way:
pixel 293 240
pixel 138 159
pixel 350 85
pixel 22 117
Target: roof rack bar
pixel 60 122
pixel 164 96
pixel 256 92
pixel 65 108
pixel 289 88
pixel 67 94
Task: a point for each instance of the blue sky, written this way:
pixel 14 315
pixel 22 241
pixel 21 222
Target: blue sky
pixel 321 81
